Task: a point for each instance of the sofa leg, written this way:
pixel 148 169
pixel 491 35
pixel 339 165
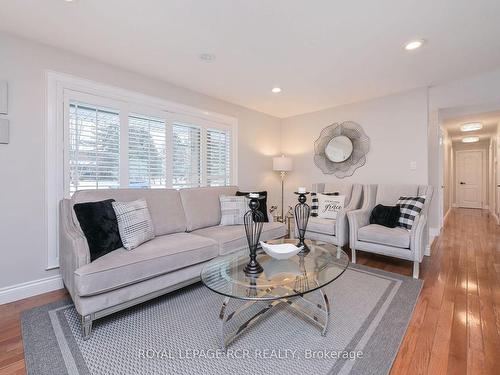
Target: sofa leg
pixel 86 326
pixel 353 255
pixel 416 269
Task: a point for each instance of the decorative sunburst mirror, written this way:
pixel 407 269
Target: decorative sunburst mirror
pixel 341 149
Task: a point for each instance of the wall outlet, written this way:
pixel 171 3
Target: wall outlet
pixel 413 165
pixel 4 130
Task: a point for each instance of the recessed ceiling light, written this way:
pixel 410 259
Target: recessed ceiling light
pixel 276 90
pixel 70 1
pixel 414 44
pixel 471 126
pixel 470 139
pixel 207 57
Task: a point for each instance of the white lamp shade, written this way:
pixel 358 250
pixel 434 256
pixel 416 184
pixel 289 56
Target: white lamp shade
pixel 282 164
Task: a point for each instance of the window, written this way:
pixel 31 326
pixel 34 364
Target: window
pixel 104 137
pixel 186 156
pixel 147 152
pixel 94 147
pixel 110 146
pixel 218 165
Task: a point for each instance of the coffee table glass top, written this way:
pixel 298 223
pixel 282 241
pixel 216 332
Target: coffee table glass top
pixel 295 276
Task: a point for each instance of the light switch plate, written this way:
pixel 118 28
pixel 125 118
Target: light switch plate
pixel 4 130
pixel 413 165
pixel 3 98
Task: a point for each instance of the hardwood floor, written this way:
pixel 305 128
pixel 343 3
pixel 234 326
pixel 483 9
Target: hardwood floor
pixel 455 328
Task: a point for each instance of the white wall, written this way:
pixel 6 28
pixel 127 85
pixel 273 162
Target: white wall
pixel 22 64
pixel 396 126
pixel 447 173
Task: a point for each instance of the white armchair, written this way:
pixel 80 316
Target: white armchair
pixel 334 231
pixel 396 242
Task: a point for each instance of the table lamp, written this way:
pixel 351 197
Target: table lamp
pixel 282 164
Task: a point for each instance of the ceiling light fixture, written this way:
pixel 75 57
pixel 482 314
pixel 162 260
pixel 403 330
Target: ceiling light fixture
pixel 207 57
pixel 470 139
pixel 414 44
pixel 471 126
pixel 276 90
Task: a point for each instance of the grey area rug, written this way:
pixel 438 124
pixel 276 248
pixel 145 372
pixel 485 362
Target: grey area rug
pixel 179 334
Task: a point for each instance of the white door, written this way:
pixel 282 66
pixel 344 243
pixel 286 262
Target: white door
pixel 470 179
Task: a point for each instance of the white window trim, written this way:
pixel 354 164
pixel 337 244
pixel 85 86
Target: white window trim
pixel 54 134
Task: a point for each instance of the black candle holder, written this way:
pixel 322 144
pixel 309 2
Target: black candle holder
pixel 302 212
pixel 253 221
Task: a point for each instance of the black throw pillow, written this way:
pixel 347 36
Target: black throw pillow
pixel 262 202
pixel 388 216
pixel 99 224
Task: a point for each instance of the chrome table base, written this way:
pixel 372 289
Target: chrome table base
pixel 317 313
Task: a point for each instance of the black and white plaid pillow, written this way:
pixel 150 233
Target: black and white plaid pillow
pixel 410 207
pixel 134 223
pixel 314 204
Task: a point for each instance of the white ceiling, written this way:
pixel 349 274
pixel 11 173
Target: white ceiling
pixel 490 121
pixel 322 53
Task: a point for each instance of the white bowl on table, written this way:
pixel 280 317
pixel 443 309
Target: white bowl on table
pixel 281 251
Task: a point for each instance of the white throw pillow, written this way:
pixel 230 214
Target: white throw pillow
pixel 232 209
pixel 134 223
pixel 330 205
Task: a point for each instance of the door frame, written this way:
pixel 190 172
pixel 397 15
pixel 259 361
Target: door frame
pixel 484 174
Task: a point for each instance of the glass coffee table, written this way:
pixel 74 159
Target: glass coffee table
pixel 294 281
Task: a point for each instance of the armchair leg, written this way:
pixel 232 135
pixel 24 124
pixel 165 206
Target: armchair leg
pixel 86 326
pixel 353 255
pixel 416 269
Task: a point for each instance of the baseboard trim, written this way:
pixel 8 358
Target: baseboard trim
pixel 433 234
pixel 427 251
pixel 446 216
pixel 29 289
pixel 495 216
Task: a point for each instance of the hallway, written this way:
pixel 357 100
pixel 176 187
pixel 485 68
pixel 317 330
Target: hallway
pixel 456 325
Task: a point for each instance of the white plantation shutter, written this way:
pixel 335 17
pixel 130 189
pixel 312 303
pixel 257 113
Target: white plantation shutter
pixel 94 147
pixel 186 155
pixel 147 152
pixel 218 157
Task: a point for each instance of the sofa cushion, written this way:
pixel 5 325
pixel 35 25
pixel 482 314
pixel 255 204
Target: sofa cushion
pixel 100 227
pixel 397 237
pixel 321 225
pixel 202 206
pixel 388 195
pixel 164 205
pixel 134 223
pixel 161 255
pixel 233 238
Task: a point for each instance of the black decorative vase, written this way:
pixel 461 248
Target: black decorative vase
pixel 253 221
pixel 302 212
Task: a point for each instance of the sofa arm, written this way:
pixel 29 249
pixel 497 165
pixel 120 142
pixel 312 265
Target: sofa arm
pixel 342 228
pixel 416 237
pixel 73 247
pixel 357 219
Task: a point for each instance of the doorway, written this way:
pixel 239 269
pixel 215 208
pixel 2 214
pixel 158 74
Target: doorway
pixel 470 178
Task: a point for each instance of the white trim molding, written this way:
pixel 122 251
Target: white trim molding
pixel 30 288
pixel 433 234
pixel 57 89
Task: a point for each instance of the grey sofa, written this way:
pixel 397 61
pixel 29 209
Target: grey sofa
pixel 396 242
pixel 329 230
pixel 188 234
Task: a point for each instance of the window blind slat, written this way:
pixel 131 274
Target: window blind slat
pixel 186 155
pixel 147 152
pixel 94 147
pixel 218 157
